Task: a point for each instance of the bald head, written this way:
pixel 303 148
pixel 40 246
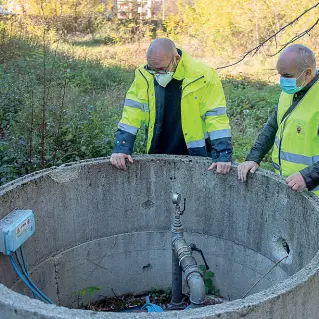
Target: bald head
pixel 297 61
pixel 162 46
pixel 161 54
pixel 299 54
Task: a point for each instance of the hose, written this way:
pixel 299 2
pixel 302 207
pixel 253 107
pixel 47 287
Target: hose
pixel 150 307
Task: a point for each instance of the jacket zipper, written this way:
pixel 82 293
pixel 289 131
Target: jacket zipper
pixel 146 82
pixel 282 135
pixel 148 101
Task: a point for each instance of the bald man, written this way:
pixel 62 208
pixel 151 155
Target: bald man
pixel 293 127
pixel 181 103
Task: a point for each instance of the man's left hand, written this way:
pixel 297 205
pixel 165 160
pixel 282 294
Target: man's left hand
pixel 296 182
pixel 221 167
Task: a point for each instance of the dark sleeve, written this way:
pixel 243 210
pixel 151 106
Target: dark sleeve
pixel 222 149
pixel 124 142
pixel 311 176
pixel 265 140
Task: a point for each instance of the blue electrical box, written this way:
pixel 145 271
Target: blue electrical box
pixel 15 229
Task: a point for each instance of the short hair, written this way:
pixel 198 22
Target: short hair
pixel 305 58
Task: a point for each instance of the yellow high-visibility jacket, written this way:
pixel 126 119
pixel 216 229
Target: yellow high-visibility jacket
pixel 297 140
pixel 203 109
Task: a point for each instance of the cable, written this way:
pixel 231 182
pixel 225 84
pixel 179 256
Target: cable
pixel 26 274
pixel 25 271
pixel 263 276
pixel 16 268
pixel 24 260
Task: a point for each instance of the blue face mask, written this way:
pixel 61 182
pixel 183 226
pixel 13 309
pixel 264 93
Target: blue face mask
pixel 289 85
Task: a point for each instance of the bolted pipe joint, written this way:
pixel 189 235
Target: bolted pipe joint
pixel 183 261
pixel 181 248
pixel 193 276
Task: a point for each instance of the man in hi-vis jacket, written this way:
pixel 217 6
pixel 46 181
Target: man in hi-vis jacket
pixel 293 128
pixel 181 103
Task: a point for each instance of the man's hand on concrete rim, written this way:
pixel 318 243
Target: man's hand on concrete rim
pixel 296 182
pixel 244 168
pixel 118 160
pixel 221 167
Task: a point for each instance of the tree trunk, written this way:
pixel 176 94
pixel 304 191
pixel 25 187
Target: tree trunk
pixel 114 9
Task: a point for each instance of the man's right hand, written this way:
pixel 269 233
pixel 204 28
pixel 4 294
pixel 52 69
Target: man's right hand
pixel 244 168
pixel 118 160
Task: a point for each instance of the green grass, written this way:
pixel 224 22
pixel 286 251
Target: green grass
pixel 86 85
pixel 250 103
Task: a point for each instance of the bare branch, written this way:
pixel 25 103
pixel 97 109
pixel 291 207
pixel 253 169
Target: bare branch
pixel 273 36
pixel 295 38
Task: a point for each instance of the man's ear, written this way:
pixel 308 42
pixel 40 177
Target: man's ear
pixel 308 73
pixel 177 58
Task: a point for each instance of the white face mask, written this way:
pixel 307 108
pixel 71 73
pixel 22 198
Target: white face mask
pixel 164 79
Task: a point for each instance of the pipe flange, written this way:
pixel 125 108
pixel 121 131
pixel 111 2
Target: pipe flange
pixel 181 252
pixel 193 272
pixel 183 257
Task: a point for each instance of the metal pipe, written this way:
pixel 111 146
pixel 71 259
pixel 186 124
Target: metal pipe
pixel 183 261
pixel 177 273
pixel 177 281
pixel 193 276
pixel 197 289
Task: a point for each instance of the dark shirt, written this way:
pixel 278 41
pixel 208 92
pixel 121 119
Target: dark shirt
pixel 168 136
pixel 171 139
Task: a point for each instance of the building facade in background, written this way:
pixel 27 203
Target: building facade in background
pixel 130 9
pixel 4 12
pixel 122 9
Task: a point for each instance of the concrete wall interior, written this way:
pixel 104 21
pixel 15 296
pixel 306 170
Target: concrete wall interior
pixel 98 226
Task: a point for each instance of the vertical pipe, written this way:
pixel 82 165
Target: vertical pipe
pixel 177 281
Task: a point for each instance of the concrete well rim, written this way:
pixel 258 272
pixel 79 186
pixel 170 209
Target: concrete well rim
pixel 32 307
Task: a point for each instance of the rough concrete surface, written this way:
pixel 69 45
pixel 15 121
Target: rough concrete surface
pixel 98 226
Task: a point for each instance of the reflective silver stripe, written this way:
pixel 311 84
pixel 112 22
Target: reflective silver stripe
pixel 316 189
pixel 128 128
pixel 135 104
pixel 299 159
pixel 276 166
pixel 206 135
pixel 193 144
pixel 216 112
pixel 277 141
pixel 219 134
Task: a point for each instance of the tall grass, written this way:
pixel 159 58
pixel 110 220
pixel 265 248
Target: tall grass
pixel 61 98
